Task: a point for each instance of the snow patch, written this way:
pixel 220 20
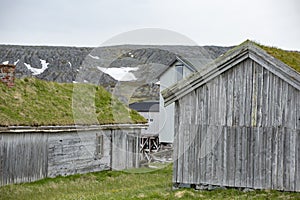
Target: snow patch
pixel 75 82
pixel 95 57
pixel 5 62
pixel 85 81
pixel 70 64
pixel 16 62
pixel 120 74
pixel 36 71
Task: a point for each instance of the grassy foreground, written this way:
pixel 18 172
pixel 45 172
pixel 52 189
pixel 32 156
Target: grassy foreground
pixel 34 102
pixel 125 185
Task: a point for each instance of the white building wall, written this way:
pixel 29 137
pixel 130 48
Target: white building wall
pixel 166 114
pixel 153 121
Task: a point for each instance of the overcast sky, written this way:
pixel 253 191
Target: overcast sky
pixel 92 22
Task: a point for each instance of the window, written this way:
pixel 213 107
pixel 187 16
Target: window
pixel 99 146
pixel 179 72
pixel 151 120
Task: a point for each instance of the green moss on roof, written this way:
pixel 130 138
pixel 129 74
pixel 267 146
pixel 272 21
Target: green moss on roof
pixel 33 102
pixel 290 58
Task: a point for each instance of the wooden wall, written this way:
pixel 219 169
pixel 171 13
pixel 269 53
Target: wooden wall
pixel 241 129
pixel 26 157
pixel 125 149
pixel 23 157
pixel 74 153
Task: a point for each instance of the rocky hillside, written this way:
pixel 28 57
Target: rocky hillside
pixel 139 63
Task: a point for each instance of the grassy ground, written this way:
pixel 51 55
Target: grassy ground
pixel 133 184
pixel 35 102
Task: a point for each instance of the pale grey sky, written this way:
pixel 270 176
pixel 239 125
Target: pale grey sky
pixel 92 22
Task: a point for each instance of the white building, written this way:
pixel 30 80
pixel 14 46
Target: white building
pixel 178 70
pixel 149 110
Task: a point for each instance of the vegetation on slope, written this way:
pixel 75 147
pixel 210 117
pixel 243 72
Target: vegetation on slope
pixel 124 185
pixel 34 102
pixel 290 58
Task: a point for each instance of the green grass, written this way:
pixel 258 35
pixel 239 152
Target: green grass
pixel 290 58
pixel 34 102
pixel 123 185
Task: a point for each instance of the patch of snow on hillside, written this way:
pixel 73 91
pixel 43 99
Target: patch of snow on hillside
pixel 70 64
pixel 120 74
pixel 36 71
pixel 95 57
pixel 16 62
pixel 5 62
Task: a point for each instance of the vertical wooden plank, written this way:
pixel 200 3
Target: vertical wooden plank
pixel 202 160
pixel 225 156
pixel 256 174
pixel 191 154
pixel 244 157
pixel 222 100
pixel 180 149
pixel 208 154
pixel 269 143
pixel 249 86
pixel 275 136
pixel 197 149
pixel 260 87
pixel 292 153
pixel 236 95
pixel 243 94
pixel 231 157
pixel 286 165
pixel 265 97
pixel 238 160
pixel 280 159
pixel 270 101
pixel 262 158
pixel 186 154
pixel 229 100
pixel 215 154
pixel 219 156
pixel 254 96
pixel 297 102
pixel 176 142
pixel 297 159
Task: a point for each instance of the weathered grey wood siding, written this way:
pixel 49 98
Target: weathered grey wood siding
pixel 23 157
pixel 26 157
pixel 75 153
pixel 240 129
pixel 125 149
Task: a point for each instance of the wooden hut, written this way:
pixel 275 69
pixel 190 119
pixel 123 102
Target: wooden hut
pixel 32 153
pixel 237 123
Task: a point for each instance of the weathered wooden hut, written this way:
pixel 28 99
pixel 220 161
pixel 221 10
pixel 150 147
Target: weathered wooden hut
pixel 32 153
pixel 237 123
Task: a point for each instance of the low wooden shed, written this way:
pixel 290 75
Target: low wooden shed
pixel 237 123
pixel 32 153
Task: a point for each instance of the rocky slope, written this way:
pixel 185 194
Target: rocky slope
pixel 140 63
